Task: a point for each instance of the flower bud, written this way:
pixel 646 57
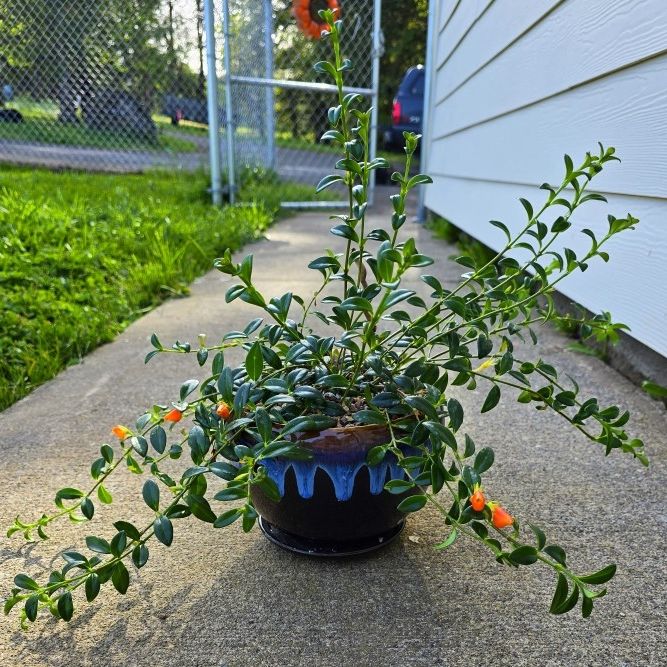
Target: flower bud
pixel 173 416
pixel 223 410
pixel 121 432
pixel 477 500
pixel 500 517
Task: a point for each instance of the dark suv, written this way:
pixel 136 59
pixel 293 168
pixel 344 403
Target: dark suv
pixel 406 113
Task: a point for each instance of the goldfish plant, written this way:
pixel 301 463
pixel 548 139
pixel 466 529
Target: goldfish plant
pixel 388 357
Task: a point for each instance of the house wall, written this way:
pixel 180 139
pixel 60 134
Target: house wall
pixel 515 84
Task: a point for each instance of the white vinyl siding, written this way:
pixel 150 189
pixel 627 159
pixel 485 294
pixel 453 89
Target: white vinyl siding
pixel 517 83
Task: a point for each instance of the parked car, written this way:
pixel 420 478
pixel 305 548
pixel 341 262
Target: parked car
pixel 408 107
pixel 118 111
pixel 184 108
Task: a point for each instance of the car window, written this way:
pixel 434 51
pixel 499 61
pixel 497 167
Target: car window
pixel 417 87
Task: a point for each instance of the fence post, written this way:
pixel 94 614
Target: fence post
pixel 229 111
pixel 375 86
pixel 212 101
pixel 268 73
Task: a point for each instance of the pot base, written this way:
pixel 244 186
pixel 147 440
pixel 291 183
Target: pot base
pixel 324 548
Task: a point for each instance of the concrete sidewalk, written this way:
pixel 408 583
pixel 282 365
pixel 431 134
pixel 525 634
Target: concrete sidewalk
pixel 223 598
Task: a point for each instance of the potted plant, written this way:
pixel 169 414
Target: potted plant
pixel 330 439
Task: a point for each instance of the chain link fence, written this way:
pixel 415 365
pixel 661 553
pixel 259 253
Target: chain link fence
pixel 279 103
pixel 99 85
pixel 123 85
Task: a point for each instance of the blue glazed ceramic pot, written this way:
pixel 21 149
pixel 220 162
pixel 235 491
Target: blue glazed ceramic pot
pixel 335 503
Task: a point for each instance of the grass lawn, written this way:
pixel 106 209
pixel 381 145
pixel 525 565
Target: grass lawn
pixel 41 125
pixel 82 255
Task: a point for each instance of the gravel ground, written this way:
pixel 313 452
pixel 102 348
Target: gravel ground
pixel 223 598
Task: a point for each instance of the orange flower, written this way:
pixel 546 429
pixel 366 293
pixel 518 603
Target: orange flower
pixel 223 411
pixel 121 432
pixel 477 500
pixel 500 517
pixel 307 19
pixel 173 416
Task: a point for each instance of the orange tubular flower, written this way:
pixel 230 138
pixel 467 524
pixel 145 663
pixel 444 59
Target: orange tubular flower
pixel 477 500
pixel 223 411
pixel 121 432
pixel 307 18
pixel 500 517
pixel 173 416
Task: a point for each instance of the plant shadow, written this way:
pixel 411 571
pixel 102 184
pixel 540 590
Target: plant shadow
pixel 263 606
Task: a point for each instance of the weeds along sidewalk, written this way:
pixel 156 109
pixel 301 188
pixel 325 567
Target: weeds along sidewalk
pixel 344 613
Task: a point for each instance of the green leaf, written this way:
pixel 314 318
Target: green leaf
pixel 225 471
pixel 26 582
pixel 164 530
pixel 569 603
pixel 560 593
pixel 254 361
pixel 376 455
pixel 231 493
pixel 140 555
pixel 98 544
pixel 227 518
pixel 87 508
pixel 469 448
pixel 200 508
pixel 357 303
pixel 129 529
pixel 187 388
pixel 556 552
pixel 398 486
pixel 133 466
pixel 68 494
pixel 524 555
pixel 306 424
pixel 484 346
pixel 483 460
pixel 158 439
pixel 422 405
pixel 413 503
pixel 151 494
pixel 449 540
pixel 492 399
pixel 65 606
pixel 104 496
pixel 455 410
pixel 601 576
pixel 264 425
pixel 369 417
pixel 586 607
pixel 107 453
pixel 92 587
pixel 419 179
pixel 441 432
pixel 118 543
pixel 120 578
pixel 539 536
pixel 655 390
pixel 327 181
pixel 270 489
pixel 31 607
pixel 139 444
pixel 277 449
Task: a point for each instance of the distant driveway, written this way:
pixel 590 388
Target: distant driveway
pixel 295 164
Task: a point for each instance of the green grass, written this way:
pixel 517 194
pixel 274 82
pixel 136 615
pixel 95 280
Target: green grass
pixel 286 140
pixel 41 126
pixel 82 255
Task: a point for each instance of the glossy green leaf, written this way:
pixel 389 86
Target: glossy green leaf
pixel 413 503
pixel 164 530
